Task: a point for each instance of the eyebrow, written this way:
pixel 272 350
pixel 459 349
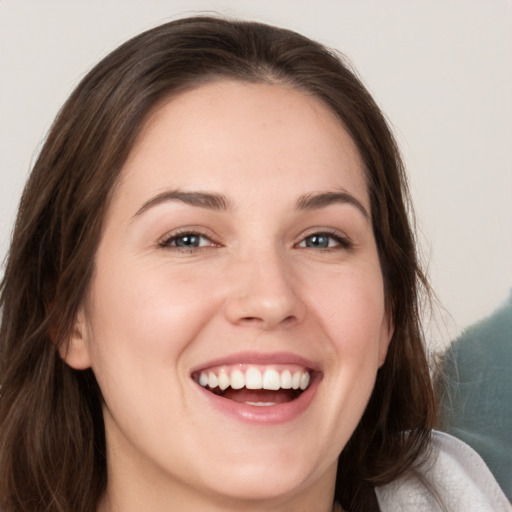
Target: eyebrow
pixel 214 201
pixel 208 200
pixel 316 201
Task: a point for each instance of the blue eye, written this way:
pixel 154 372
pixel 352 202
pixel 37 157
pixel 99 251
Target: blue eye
pixel 324 241
pixel 187 241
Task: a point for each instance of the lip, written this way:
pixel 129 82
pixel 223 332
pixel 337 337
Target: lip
pixel 251 414
pixel 258 358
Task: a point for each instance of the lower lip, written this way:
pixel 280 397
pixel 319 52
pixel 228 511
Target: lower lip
pixel 263 415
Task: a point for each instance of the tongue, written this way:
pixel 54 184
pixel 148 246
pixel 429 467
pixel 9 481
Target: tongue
pixel 243 395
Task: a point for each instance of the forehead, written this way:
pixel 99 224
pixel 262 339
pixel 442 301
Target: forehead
pixel 242 137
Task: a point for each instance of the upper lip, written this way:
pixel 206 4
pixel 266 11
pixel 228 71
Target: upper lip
pixel 259 358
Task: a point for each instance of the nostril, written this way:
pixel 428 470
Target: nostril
pixel 255 320
pixel 251 319
pixel 289 320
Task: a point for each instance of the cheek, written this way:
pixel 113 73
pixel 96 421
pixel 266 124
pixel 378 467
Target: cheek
pixel 138 329
pixel 351 306
pixel 153 313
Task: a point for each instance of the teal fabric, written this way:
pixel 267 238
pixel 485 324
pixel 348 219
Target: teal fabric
pixel 476 392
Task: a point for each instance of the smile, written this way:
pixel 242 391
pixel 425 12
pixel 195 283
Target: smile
pixel 256 388
pixel 255 385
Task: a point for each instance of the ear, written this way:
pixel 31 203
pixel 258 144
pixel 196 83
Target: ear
pixel 75 352
pixel 386 335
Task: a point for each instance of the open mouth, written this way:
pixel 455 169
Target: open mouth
pixel 255 385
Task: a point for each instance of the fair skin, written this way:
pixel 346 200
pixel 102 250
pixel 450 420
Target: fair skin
pixel 239 237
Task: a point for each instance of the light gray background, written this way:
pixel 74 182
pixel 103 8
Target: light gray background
pixel 440 69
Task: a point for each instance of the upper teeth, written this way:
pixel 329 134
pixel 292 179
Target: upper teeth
pixel 254 378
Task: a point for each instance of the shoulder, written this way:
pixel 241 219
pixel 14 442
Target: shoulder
pixel 453 478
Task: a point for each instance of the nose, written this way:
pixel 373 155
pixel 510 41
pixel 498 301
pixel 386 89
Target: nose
pixel 264 293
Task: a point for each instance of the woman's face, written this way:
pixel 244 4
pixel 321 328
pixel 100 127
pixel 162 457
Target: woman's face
pixel 237 253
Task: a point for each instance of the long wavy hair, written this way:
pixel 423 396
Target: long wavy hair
pixel 52 439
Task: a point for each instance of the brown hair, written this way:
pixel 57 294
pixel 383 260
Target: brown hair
pixel 52 441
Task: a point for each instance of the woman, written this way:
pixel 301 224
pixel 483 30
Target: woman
pixel 211 299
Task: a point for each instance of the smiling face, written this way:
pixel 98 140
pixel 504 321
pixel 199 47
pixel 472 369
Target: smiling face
pixel 237 254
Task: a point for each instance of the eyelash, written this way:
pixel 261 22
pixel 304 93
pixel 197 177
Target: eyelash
pixel 341 242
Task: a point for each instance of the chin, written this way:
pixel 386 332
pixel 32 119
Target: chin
pixel 269 478
pixel 261 486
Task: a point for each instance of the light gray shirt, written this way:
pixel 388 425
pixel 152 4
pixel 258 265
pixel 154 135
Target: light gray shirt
pixel 453 479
